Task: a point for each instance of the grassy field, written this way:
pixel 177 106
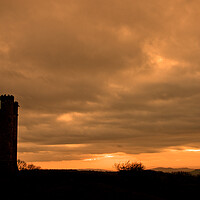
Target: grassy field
pixel 72 184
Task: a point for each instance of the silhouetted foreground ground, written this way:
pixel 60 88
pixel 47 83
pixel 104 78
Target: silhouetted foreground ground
pixel 66 184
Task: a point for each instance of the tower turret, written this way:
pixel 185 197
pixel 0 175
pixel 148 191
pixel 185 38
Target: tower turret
pixel 8 133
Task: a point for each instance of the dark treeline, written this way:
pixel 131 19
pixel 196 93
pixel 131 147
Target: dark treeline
pixel 66 184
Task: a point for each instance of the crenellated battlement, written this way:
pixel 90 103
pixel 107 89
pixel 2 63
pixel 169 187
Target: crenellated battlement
pixel 7 97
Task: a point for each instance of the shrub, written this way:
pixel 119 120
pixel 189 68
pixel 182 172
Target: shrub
pixel 130 166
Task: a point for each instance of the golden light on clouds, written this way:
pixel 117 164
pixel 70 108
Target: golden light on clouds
pixel 193 150
pixel 70 117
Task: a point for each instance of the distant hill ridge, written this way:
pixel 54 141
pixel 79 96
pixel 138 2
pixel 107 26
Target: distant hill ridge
pixel 171 170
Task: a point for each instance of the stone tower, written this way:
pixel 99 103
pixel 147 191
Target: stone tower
pixel 8 134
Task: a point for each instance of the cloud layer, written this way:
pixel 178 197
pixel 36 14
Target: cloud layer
pixel 110 76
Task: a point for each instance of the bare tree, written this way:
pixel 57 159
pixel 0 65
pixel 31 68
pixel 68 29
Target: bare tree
pixel 22 165
pixel 129 166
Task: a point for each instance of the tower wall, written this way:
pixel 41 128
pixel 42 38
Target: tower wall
pixel 8 134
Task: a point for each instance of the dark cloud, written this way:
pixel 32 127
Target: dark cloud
pixel 119 76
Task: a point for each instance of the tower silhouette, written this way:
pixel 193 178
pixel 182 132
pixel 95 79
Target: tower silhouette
pixel 8 134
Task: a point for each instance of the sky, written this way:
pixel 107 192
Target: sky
pixel 103 81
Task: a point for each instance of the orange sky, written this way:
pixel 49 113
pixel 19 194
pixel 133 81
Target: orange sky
pixel 168 158
pixel 96 78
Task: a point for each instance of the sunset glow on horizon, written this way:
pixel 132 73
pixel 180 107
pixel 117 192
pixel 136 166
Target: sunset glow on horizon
pixel 180 158
pixel 102 82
